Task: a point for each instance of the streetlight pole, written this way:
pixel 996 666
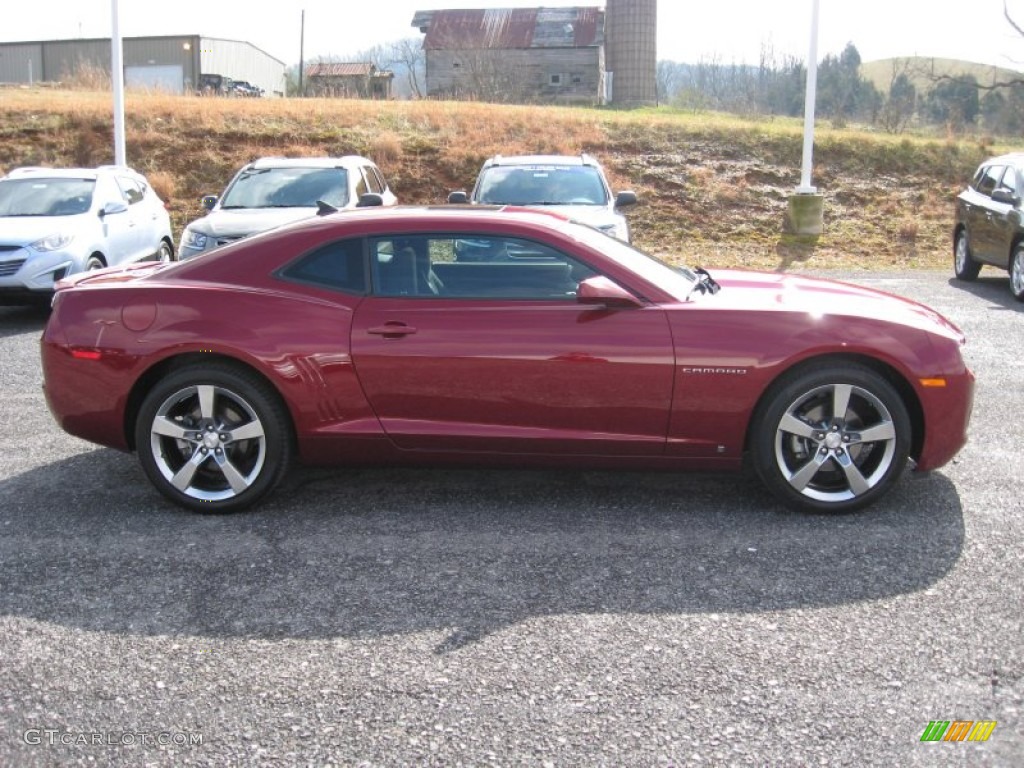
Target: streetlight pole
pixel 806 213
pixel 117 82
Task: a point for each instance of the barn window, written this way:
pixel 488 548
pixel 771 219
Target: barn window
pixel 456 65
pixel 577 79
pixel 555 79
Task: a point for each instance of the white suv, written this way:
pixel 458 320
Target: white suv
pixel 56 222
pixel 573 185
pixel 274 191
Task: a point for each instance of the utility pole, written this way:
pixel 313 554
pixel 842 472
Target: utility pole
pixel 806 213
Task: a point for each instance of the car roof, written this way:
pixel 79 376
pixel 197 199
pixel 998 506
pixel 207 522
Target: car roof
pixel 345 161
pixel 1010 157
pixel 37 171
pixel 578 160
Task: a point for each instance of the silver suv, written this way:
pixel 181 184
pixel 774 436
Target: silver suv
pixel 55 222
pixel 277 190
pixel 574 185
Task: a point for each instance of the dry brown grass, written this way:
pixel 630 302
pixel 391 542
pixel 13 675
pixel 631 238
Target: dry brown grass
pixel 712 187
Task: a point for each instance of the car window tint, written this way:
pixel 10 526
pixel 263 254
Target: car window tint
pixel 45 197
pixel 287 188
pixel 130 190
pixel 989 179
pixel 361 187
pixel 538 185
pixel 468 267
pixel 338 266
pixel 1009 180
pixel 372 181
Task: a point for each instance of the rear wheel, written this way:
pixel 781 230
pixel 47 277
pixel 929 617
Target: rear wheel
pixel 213 438
pixel 964 266
pixel 164 253
pixel 1017 272
pixel 833 439
pixel 93 263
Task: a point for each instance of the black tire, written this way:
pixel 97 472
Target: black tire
pixel 1017 272
pixel 808 444
pixel 213 438
pixel 93 263
pixel 165 253
pixel 964 265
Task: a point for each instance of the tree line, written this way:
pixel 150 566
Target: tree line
pixel 776 87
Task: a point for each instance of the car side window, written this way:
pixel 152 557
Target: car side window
pixel 361 188
pixel 372 181
pixel 468 267
pixel 337 266
pixel 990 179
pixel 1009 180
pixel 130 190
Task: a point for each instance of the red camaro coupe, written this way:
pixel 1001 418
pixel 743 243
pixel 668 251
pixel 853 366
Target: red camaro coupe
pixel 496 336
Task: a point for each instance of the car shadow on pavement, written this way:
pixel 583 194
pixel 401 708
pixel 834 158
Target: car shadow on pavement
pixel 88 544
pixel 15 321
pixel 993 289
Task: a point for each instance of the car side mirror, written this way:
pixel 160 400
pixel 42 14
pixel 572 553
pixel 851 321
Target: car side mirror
pixel 624 198
pixel 208 201
pixel 458 197
pixel 370 200
pixel 600 290
pixel 114 206
pixel 1005 196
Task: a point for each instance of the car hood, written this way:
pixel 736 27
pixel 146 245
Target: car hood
pixel 248 221
pixel 821 297
pixel 24 230
pixel 594 215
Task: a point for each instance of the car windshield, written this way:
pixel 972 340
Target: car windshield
pixel 287 188
pixel 45 197
pixel 678 281
pixel 542 185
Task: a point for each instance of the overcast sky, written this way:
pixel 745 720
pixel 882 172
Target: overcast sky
pixel 688 30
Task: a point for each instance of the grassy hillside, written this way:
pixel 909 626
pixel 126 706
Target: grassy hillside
pixel 923 71
pixel 713 188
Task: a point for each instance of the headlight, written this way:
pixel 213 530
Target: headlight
pixel 192 239
pixel 52 243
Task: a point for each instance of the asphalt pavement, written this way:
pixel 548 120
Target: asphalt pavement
pixel 387 617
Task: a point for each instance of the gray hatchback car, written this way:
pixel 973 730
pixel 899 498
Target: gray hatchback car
pixel 988 227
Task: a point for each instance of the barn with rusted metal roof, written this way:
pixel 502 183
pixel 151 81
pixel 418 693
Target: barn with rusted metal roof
pixel 517 55
pixel 357 80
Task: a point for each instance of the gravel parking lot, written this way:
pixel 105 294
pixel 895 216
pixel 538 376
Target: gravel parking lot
pixel 462 617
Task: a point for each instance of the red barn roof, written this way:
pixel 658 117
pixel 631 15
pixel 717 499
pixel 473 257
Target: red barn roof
pixel 576 27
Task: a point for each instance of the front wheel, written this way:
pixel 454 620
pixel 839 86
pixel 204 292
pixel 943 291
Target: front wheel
pixel 831 440
pixel 1017 272
pixel 964 265
pixel 213 438
pixel 165 253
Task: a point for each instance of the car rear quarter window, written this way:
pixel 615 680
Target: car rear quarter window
pixel 989 179
pixel 338 266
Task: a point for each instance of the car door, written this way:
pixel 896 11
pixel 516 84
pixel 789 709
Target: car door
pixel 118 230
pixel 498 356
pixel 136 244
pixel 979 214
pixel 1004 221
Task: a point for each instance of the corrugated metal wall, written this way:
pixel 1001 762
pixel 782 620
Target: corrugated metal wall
pixel 57 60
pixel 242 61
pixel 21 62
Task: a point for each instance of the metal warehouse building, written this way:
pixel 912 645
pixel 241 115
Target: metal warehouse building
pixel 175 64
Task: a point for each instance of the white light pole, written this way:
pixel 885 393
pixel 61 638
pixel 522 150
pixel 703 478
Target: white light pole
pixel 117 82
pixel 806 188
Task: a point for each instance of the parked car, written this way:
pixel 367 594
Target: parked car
pixel 58 222
pixel 363 338
pixel 278 190
pixel 574 185
pixel 989 226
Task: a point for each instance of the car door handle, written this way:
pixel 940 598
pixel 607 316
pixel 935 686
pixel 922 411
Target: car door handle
pixel 392 330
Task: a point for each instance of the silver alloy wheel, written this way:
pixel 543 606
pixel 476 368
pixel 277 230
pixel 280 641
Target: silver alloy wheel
pixel 164 253
pixel 208 442
pixel 1017 273
pixel 835 442
pixel 961 253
